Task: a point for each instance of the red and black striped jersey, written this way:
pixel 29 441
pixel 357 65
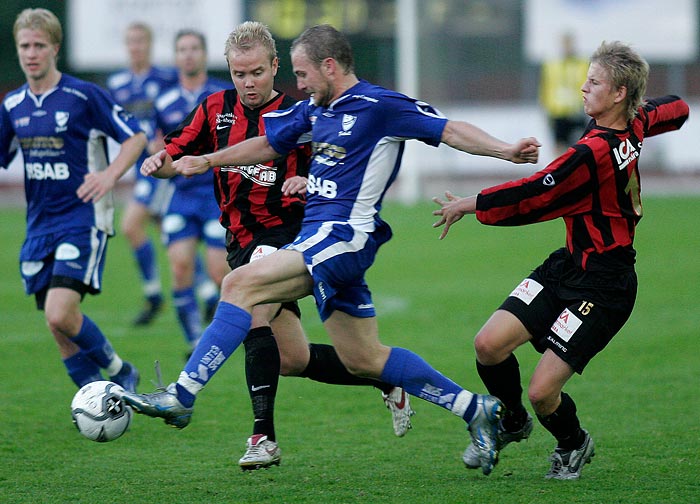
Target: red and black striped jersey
pixel 250 197
pixel 594 186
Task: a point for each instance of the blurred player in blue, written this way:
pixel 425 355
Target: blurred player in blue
pixel 136 89
pixel 193 213
pixel 61 125
pixel 358 132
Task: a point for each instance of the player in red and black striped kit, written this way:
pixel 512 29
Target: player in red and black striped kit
pixel 572 305
pixel 261 207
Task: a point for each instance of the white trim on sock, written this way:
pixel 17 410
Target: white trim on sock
pixel 461 403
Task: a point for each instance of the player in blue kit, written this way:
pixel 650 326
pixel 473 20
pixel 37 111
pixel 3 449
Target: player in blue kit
pixel 61 125
pixel 357 132
pixel 193 213
pixel 136 89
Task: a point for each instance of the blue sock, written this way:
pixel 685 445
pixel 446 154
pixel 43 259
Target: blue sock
pixel 91 340
pixel 223 336
pixel 408 370
pixel 82 369
pixel 188 313
pixel 148 268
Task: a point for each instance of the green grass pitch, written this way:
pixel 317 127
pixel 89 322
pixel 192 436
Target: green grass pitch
pixel 638 398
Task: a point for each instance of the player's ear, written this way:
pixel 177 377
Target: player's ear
pixel 621 94
pixel 275 65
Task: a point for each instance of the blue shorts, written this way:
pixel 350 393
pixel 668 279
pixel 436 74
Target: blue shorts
pixel 193 217
pixel 78 254
pixel 153 193
pixel 337 257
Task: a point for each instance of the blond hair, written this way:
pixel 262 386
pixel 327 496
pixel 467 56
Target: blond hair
pixel 39 19
pixel 627 68
pixel 248 35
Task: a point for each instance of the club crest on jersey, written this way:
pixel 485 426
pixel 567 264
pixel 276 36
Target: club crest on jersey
pixel 348 123
pixel 61 120
pixel 22 122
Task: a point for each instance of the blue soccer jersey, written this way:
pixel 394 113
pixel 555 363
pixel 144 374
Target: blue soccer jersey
pixel 357 144
pixel 137 93
pixel 171 109
pixel 63 136
pixel 193 209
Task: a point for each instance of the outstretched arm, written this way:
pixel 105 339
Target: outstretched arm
pixel 466 137
pixel 249 152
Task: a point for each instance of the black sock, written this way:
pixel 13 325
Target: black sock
pixel 325 366
pixel 503 381
pixel 564 424
pixel 262 369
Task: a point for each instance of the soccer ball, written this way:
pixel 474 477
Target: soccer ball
pixel 99 412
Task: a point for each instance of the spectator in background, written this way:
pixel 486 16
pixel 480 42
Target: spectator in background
pixel 61 123
pixel 192 215
pixel 136 89
pixel 560 93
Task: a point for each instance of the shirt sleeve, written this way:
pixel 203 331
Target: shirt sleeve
pixel 664 114
pixel 412 119
pixel 287 129
pixel 192 136
pixel 111 118
pixel 564 187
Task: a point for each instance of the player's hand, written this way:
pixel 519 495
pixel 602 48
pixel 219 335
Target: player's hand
pixel 153 163
pixel 452 209
pixel 95 186
pixel 525 150
pixel 294 185
pixel 191 165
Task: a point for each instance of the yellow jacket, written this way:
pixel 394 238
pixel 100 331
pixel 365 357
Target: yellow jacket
pixel 560 86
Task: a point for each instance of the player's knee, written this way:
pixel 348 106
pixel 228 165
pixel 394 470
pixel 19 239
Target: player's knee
pixel 488 351
pixel 292 365
pixel 544 400
pixel 59 321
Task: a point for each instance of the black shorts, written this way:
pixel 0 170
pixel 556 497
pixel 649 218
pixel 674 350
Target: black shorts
pixel 276 238
pixel 573 312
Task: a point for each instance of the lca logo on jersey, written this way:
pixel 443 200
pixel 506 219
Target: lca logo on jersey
pixel 625 153
pixel 348 123
pixel 61 121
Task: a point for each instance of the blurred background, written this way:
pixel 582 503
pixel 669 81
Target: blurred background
pixel 476 60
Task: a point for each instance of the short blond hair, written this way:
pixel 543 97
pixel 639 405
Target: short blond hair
pixel 625 67
pixel 248 35
pixel 39 19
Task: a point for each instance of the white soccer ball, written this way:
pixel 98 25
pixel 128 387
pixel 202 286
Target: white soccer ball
pixel 99 412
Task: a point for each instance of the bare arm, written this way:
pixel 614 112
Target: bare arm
pixel 466 137
pixel 249 152
pixel 97 184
